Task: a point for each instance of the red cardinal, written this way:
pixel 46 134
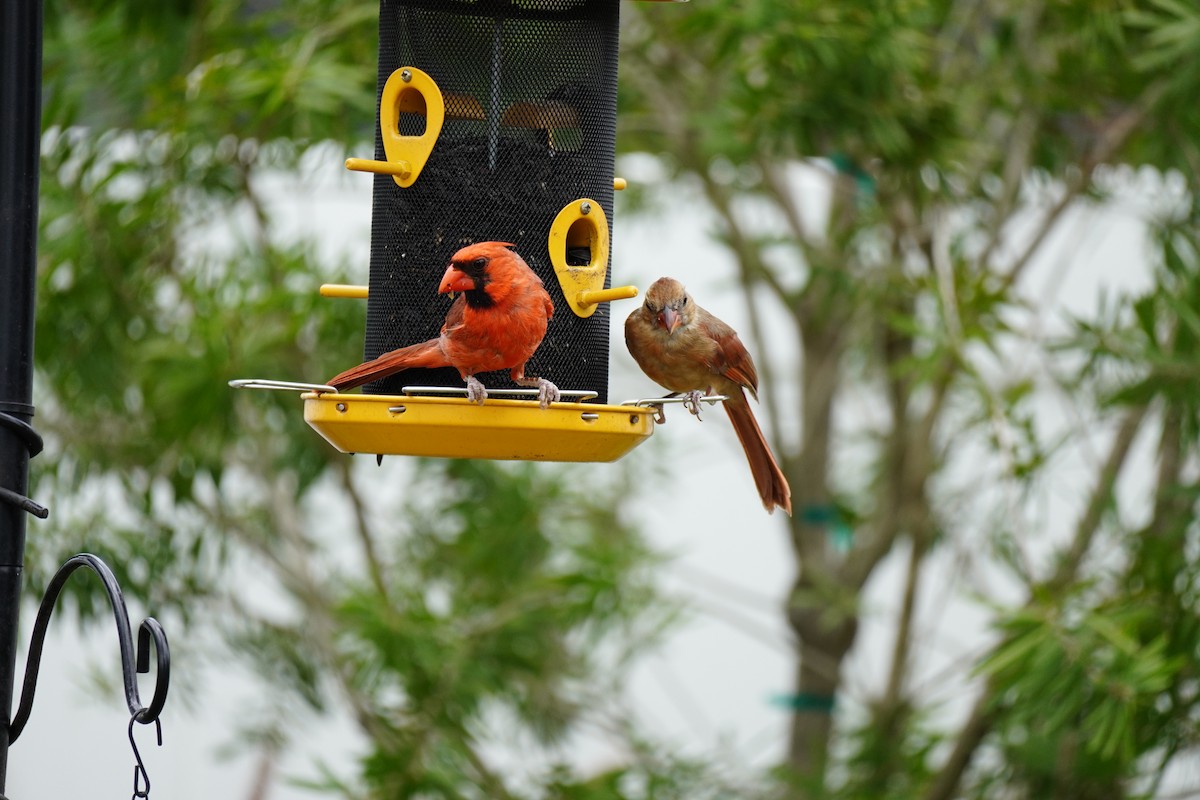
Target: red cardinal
pixel 496 323
pixel 686 349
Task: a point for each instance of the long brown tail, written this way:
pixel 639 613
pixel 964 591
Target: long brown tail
pixel 425 354
pixel 768 477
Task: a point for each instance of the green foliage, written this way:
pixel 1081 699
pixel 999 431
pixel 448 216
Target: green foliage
pixel 889 755
pixel 1117 653
pixel 1106 669
pixel 654 775
pixel 1144 348
pixel 513 592
pixel 139 328
pixel 136 341
pixel 857 69
pixel 1172 31
pixel 208 70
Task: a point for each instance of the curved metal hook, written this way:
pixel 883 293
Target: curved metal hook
pixel 149 630
pixel 33 443
pixel 141 780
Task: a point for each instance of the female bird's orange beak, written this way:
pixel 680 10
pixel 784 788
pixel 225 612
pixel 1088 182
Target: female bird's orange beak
pixel 455 280
pixel 669 319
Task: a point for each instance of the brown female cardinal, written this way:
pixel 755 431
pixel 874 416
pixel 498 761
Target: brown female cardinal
pixel 687 350
pixel 497 322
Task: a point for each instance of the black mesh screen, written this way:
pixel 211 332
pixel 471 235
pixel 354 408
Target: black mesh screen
pixel 530 89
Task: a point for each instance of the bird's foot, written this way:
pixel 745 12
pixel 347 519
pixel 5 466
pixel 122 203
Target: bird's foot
pixel 547 393
pixel 476 391
pixel 691 401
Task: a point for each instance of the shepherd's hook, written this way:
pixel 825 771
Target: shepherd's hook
pixel 132 661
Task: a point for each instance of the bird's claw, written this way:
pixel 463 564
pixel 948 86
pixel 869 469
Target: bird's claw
pixel 547 393
pixel 691 401
pixel 476 391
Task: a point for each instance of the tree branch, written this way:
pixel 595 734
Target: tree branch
pixel 903 643
pixel 775 183
pixel 362 529
pixel 490 781
pixel 1167 502
pixel 977 726
pixel 1089 522
pixel 1111 138
pixel 751 270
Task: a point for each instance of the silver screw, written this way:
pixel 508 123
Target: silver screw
pixel 585 208
pixel 406 75
pixel 341 407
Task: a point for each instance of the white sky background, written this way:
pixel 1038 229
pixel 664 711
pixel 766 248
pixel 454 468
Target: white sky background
pixel 709 688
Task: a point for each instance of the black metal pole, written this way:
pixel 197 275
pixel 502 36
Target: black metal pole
pixel 20 137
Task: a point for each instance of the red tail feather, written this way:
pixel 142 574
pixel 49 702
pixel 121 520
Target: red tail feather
pixel 768 477
pixel 425 354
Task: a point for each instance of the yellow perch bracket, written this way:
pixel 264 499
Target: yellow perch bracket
pixel 579 252
pixel 408 90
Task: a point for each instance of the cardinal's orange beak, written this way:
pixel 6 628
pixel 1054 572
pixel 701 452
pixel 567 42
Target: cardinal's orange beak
pixel 455 280
pixel 669 319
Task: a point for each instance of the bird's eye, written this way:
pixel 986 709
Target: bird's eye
pixel 479 263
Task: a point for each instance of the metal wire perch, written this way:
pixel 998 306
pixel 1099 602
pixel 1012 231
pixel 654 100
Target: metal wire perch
pixel 685 400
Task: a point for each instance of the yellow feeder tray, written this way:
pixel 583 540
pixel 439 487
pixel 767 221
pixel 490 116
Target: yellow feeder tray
pixel 439 422
pixel 452 427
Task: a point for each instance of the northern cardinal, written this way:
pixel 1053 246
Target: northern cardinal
pixel 496 323
pixel 687 350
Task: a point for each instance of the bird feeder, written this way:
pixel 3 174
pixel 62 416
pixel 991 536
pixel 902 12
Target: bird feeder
pixel 496 122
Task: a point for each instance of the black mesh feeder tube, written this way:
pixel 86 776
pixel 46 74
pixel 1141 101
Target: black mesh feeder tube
pixel 497 122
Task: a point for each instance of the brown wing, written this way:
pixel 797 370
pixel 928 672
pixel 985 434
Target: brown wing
pixel 730 357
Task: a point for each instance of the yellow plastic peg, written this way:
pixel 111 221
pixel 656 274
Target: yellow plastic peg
pixel 580 234
pixel 408 90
